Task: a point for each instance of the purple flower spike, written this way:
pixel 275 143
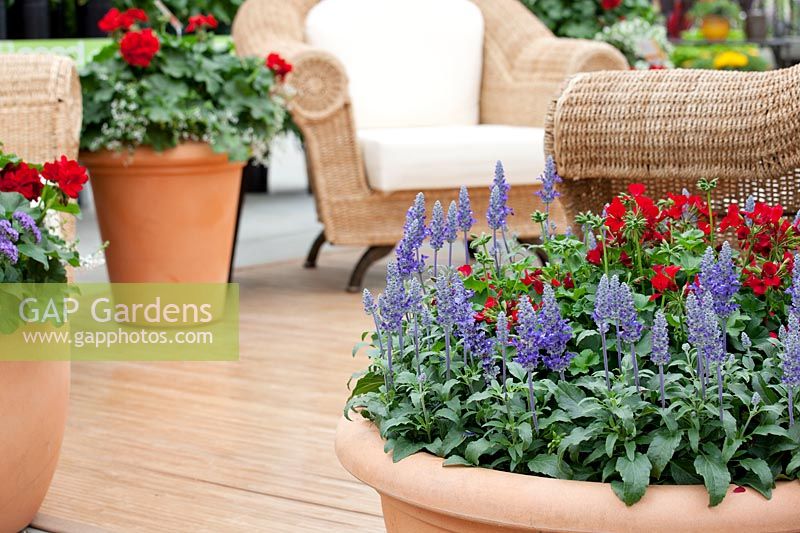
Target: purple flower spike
pixel 496 214
pixel 555 333
pixel 409 259
pixel 794 289
pixel 502 341
pixel 372 310
pixel 9 251
pixel 451 230
pixel 393 305
pixel 28 225
pixel 660 349
pixel 549 179
pixel 528 348
pixel 603 312
pixel 438 232
pixel 464 219
pixel 416 307
pixel 631 327
pixel 706 337
pixel 790 360
pixel 719 279
pixel 450 295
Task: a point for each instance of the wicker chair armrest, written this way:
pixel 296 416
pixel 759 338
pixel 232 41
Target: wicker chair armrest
pixel 554 59
pixel 677 123
pixel 265 26
pixel 40 106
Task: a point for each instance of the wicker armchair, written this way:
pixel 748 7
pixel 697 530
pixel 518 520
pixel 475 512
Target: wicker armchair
pixel 40 109
pixel 668 129
pixel 523 67
pixel 40 106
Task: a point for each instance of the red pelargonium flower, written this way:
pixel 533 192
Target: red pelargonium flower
pixel 610 4
pixel 532 280
pixel 67 174
pixel 139 47
pixel 568 283
pixel 200 21
pixel 465 270
pixel 760 282
pixel 490 303
pixel 733 219
pixel 23 179
pixel 278 65
pixel 595 255
pixel 636 189
pixel 664 278
pixel 115 20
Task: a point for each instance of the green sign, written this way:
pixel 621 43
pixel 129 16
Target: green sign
pixel 119 322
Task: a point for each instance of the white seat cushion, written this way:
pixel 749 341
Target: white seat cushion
pixel 403 159
pixel 409 62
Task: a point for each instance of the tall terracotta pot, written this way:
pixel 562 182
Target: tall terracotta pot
pixel 167 216
pixel 33 413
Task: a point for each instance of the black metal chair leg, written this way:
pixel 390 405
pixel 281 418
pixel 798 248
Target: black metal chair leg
pixel 373 253
pixel 313 253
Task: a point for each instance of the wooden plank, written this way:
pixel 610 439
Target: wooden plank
pixel 245 446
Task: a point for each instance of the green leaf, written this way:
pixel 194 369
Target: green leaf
pixel 661 450
pixel 404 447
pixel 770 429
pixel 476 449
pixel 369 382
pixel 456 460
pixel 455 436
pixel 611 440
pixel 715 476
pixel 34 252
pixel 550 465
pixel 794 464
pixel 760 468
pixel 575 437
pixel 525 433
pixel 635 477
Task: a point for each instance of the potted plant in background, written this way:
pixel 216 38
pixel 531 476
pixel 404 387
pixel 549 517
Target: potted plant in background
pixel 646 368
pixel 716 18
pixel 33 394
pixel 168 123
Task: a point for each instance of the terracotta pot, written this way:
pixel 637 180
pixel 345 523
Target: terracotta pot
pixel 33 412
pixel 419 495
pixel 715 28
pixel 167 216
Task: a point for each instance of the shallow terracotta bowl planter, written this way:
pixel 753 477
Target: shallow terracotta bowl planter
pixel 419 495
pixel 33 412
pixel 168 216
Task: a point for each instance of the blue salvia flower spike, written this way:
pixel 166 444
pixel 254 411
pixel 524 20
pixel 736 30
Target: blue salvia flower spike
pixel 500 181
pixel 528 348
pixel 556 333
pixel 602 314
pixel 502 342
pixel 372 310
pixel 451 231
pixel 464 219
pixel 790 360
pixel 660 349
pixel 438 232
pixel 794 289
pixel 416 306
pixel 496 219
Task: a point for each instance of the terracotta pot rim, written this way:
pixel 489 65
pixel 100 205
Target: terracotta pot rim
pixel 185 153
pixel 523 501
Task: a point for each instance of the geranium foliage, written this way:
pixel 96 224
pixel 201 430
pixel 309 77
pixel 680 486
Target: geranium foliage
pixel 658 345
pixel 151 87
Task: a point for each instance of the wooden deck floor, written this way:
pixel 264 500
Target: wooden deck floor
pixel 244 446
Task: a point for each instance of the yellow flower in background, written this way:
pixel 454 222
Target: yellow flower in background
pixel 730 59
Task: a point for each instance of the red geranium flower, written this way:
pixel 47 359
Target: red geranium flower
pixel 568 283
pixel 465 270
pixel 139 47
pixel 664 278
pixel 278 65
pixel 23 179
pixel 733 219
pixel 67 174
pixel 115 20
pixel 197 22
pixel 490 303
pixel 610 4
pixel 595 255
pixel 532 280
